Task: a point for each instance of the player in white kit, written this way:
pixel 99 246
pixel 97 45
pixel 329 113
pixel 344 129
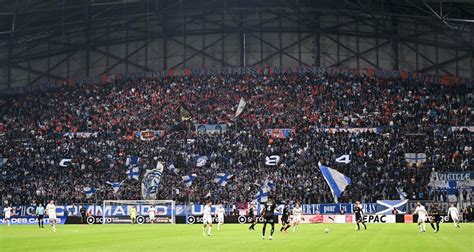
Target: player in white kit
pixel 151 214
pixel 422 214
pixel 207 219
pixel 7 213
pixel 297 215
pixel 220 212
pixel 51 212
pixel 454 213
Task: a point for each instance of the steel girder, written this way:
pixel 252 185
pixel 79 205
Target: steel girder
pixel 88 26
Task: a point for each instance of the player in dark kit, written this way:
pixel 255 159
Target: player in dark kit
pixel 359 215
pixel 435 218
pixel 252 216
pixel 268 212
pixel 285 218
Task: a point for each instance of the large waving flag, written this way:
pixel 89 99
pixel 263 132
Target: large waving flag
pixel 262 195
pixel 241 107
pixel 115 185
pixel 133 173
pixel 337 181
pixel 89 191
pixel 222 179
pixel 151 182
pixel 188 179
pixel 132 161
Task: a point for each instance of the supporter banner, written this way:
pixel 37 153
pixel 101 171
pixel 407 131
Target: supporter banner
pixel 458 176
pixel 273 70
pixel 81 134
pixel 461 128
pixel 30 219
pixel 279 133
pixel 336 208
pixel 147 135
pixel 348 130
pixel 428 205
pixel 210 128
pixel 451 181
pixel 272 160
pixel 386 206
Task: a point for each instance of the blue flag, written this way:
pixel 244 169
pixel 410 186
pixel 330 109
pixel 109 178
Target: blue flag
pixel 270 185
pixel 188 179
pixel 132 161
pixel 89 191
pixel 173 169
pixel 133 173
pixel 337 181
pixel 386 206
pixel 262 195
pixel 401 193
pixel 115 185
pixel 222 179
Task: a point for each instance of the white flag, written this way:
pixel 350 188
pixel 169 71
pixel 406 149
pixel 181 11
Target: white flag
pixel 241 107
pixel 337 181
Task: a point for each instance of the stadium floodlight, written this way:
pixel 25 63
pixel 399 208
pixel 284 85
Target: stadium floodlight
pixel 120 211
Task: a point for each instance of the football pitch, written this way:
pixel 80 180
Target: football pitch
pixel 235 237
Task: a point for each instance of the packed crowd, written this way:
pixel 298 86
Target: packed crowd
pixel 413 117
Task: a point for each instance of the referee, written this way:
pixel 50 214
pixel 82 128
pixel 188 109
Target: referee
pixel 40 214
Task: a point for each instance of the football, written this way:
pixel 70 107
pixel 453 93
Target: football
pixel 326 230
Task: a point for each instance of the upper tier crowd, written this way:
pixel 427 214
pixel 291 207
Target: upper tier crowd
pixel 412 117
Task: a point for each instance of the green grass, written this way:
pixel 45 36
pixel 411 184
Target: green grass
pixel 235 237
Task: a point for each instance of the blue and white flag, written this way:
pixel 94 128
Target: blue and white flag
pixel 132 161
pixel 262 195
pixel 201 161
pixel 337 181
pixel 173 169
pixel 222 179
pixel 115 185
pixel 89 191
pixel 415 158
pixel 151 182
pixel 133 172
pixel 402 194
pixel 188 179
pixel 386 206
pixel 270 185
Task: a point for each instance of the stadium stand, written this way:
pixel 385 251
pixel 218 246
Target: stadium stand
pixel 395 117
